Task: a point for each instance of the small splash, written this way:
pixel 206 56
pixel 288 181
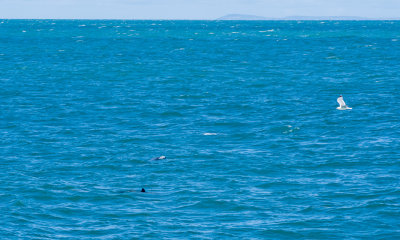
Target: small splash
pixel 209 134
pixel 332 57
pixel 23 31
pixel 290 129
pixel 211 33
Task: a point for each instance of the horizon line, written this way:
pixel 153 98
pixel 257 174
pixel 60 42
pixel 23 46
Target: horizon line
pixel 188 19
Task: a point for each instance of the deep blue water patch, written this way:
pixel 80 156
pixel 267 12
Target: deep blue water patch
pixel 244 111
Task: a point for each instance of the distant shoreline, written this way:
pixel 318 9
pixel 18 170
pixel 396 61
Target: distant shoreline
pixel 211 20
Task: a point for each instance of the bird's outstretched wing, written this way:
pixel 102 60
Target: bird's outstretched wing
pixel 342 104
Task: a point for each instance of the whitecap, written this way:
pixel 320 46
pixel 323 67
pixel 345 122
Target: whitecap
pixel 209 134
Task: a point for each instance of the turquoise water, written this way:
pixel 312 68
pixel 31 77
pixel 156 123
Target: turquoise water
pixel 245 113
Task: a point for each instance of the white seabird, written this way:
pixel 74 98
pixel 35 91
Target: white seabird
pixel 342 104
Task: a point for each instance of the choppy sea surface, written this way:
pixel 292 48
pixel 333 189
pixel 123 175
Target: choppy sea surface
pixel 244 111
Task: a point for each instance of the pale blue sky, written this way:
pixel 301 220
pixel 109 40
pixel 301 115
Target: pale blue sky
pixel 194 9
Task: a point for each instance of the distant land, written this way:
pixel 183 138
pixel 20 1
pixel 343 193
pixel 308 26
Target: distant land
pixel 253 17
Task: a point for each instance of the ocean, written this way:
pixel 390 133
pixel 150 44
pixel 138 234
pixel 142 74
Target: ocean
pixel 244 112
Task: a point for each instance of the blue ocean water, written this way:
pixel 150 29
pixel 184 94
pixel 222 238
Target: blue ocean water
pixel 244 111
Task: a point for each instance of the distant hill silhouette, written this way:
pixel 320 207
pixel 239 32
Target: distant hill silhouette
pixel 252 17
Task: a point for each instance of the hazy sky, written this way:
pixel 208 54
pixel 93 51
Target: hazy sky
pixel 195 9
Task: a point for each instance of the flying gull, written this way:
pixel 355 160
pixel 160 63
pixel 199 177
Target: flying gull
pixel 342 104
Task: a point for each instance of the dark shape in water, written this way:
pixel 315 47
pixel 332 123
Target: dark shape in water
pixel 143 190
